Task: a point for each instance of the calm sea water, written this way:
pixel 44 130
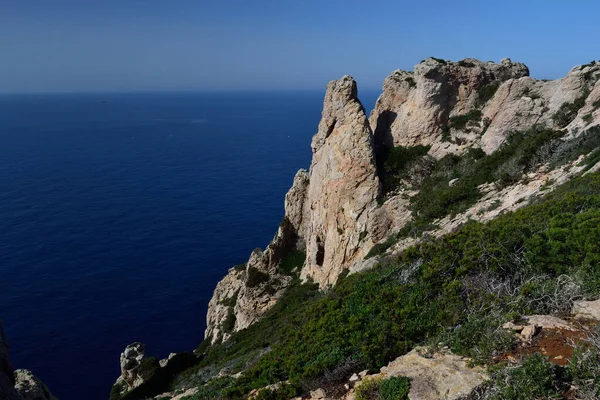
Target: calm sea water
pixel 121 212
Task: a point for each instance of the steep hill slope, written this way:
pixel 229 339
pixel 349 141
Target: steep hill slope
pixel 469 198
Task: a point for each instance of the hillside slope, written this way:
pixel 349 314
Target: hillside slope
pixel 468 199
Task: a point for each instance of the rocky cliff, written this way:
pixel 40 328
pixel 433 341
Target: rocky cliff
pixel 344 207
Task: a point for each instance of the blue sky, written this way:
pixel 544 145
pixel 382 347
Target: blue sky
pixel 131 45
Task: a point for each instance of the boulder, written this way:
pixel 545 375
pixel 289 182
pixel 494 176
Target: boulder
pixel 435 376
pixel 30 387
pixel 587 309
pixel 130 361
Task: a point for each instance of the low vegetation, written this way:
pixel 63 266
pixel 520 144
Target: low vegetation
pixel 568 111
pixel 455 291
pixel 461 121
pixel 411 82
pixel 396 166
pixel 520 154
pixel 486 92
pixel 394 388
pixel 256 277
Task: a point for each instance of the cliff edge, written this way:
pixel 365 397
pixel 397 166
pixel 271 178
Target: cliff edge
pixel 353 203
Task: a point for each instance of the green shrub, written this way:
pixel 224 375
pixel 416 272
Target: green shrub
pixel 411 82
pixel 566 151
pixel 293 259
pixel 368 389
pixel 596 104
pixel 440 60
pixel 382 247
pixel 231 301
pixel 488 91
pixel 395 165
pixel 256 277
pixel 518 155
pixel 229 321
pixel 115 392
pixel 460 121
pixel 284 392
pixel 535 378
pixel 568 111
pixel 466 64
pixel 584 368
pixel 457 290
pixel 587 118
pixel 240 267
pixel 148 367
pixel 393 388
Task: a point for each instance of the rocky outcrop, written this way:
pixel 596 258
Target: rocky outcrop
pixel 416 107
pixel 583 309
pixel 31 388
pixel 130 361
pixel 328 212
pixel 520 104
pixel 434 376
pixel 332 210
pixel 248 290
pixel 424 107
pixel 343 188
pixel 141 375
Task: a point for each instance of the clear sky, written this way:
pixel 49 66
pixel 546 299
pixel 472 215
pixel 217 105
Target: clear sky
pixel 130 45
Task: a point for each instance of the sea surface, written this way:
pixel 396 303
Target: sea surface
pixel 119 213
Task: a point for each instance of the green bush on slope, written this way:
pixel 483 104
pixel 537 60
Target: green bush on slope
pixel 458 290
pixel 394 388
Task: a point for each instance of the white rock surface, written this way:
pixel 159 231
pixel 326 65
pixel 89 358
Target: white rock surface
pixel 434 377
pixel 30 387
pixel 587 309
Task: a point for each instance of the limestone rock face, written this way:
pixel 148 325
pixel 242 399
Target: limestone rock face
pixel 130 360
pixel 31 388
pixel 415 107
pixel 7 378
pixel 587 309
pixel 295 206
pixel 343 186
pixel 519 104
pixel 331 211
pixel 250 290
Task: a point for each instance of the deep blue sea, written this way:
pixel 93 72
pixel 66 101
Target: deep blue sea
pixel 119 213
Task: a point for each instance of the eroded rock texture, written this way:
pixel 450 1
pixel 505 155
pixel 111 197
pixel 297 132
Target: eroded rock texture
pixel 343 189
